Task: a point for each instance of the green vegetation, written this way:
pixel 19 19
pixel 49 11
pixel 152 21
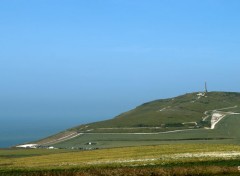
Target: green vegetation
pixel 227 131
pixel 19 153
pixel 178 159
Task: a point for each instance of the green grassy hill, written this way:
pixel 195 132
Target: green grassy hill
pixel 183 119
pixel 173 113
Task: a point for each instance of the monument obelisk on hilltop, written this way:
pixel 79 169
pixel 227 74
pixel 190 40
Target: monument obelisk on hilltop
pixel 206 87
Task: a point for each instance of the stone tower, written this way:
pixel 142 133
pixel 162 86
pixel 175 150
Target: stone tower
pixel 206 87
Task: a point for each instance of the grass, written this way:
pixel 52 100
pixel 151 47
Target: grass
pixel 20 153
pixel 226 132
pixel 142 160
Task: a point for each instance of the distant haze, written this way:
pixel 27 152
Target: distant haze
pixel 63 63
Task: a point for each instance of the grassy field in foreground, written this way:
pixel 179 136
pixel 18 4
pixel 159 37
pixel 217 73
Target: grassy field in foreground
pixel 178 159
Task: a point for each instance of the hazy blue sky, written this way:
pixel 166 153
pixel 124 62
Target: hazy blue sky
pixel 76 61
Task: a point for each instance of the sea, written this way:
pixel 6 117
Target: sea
pixel 17 132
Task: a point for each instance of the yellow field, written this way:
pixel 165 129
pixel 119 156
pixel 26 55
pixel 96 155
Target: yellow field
pixel 129 156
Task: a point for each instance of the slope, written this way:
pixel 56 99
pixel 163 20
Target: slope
pixel 187 118
pixel 186 111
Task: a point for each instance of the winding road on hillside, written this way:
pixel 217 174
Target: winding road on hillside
pixel 69 136
pixel 217 115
